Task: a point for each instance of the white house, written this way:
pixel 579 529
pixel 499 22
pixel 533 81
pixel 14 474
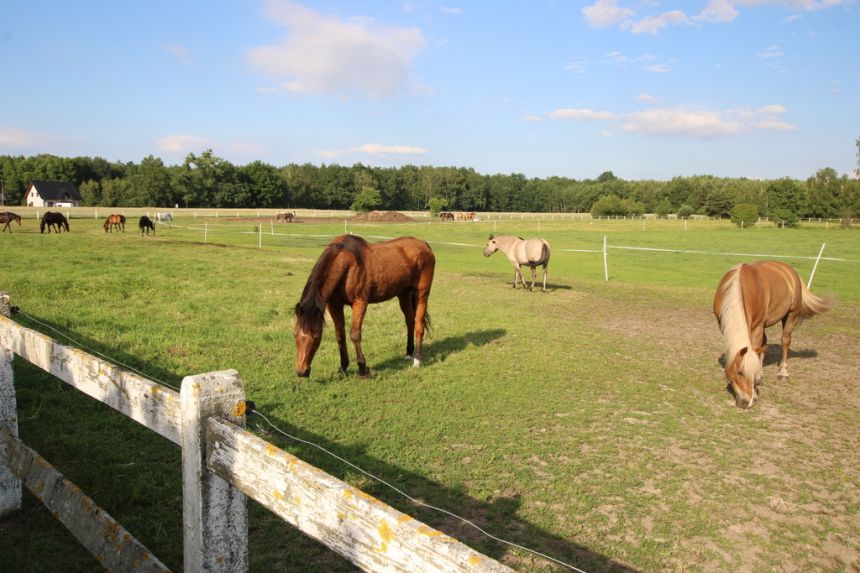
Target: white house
pixel 52 194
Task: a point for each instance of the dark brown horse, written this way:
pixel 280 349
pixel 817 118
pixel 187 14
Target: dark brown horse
pixel 446 216
pixel 750 298
pixel 115 221
pixel 353 272
pixel 286 217
pixel 146 224
pixel 7 217
pixel 52 219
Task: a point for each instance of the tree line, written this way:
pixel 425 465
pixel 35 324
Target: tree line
pixel 206 180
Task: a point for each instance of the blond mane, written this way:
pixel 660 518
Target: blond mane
pixel 734 326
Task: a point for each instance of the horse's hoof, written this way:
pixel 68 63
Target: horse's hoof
pixel 416 363
pixel 782 377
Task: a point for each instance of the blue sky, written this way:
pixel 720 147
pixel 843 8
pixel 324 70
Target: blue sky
pixel 648 89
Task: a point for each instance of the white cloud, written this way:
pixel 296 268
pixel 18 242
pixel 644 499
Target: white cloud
pixel 653 24
pixel 646 98
pixel 657 69
pixel 181 53
pixel 181 143
pixel 18 138
pixel 718 11
pixel 705 124
pixel 579 114
pixel 770 52
pixel 451 10
pixel 605 13
pixel 373 149
pixel 678 121
pixel 323 54
pixel 532 118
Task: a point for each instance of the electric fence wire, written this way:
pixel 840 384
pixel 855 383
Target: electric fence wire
pixel 375 478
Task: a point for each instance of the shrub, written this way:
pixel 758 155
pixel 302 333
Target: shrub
pixel 437 205
pixel 685 212
pixel 663 208
pixel 607 206
pixel 744 215
pixel 783 217
pixel 367 199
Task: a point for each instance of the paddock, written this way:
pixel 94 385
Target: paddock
pixel 619 450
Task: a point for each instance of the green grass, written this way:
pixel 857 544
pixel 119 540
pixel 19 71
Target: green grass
pixel 590 423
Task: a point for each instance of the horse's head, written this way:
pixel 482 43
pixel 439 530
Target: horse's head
pixel 308 334
pixel 491 247
pixel 744 376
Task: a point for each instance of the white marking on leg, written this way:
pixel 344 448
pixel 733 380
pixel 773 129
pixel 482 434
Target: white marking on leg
pixel 416 363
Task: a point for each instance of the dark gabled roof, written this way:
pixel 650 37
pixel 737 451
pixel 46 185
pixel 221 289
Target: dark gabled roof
pixel 56 190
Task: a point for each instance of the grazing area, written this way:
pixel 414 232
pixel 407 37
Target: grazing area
pixel 590 422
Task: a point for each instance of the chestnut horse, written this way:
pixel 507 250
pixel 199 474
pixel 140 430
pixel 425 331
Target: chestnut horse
pixel 749 299
pixel 7 217
pixel 529 252
pixel 115 221
pixel 353 272
pixel 52 219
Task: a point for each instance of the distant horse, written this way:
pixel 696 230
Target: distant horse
pixel 53 219
pixel 286 217
pixel 146 224
pixel 7 217
pixel 115 222
pixel 750 298
pixel 446 216
pixel 530 252
pixel 353 272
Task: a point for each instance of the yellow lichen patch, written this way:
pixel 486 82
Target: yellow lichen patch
pixel 403 518
pixel 474 560
pixel 428 531
pixel 279 495
pixel 385 534
pixel 348 493
pixel 239 409
pixel 271 449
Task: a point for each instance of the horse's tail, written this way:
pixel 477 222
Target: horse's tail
pixel 544 255
pixel 812 304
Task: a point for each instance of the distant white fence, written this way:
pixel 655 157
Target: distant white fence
pixel 221 465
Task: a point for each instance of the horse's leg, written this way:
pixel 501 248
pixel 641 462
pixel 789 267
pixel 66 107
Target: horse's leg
pixel 423 295
pixel 544 276
pixel 407 306
pixel 534 275
pixel 359 307
pixel 788 324
pixel 336 313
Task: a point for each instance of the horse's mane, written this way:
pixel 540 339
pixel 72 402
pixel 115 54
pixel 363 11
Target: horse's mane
pixel 311 307
pixel 734 326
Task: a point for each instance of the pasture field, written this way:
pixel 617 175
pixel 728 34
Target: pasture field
pixel 590 423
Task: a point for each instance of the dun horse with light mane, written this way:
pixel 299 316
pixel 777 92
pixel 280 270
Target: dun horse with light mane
pixel 750 298
pixel 530 252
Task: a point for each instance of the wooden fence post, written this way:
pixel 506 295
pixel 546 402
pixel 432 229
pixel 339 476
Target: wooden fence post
pixel 10 485
pixel 214 513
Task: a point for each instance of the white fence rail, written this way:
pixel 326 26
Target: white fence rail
pixel 221 465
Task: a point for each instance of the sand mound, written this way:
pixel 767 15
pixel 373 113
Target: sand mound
pixel 384 217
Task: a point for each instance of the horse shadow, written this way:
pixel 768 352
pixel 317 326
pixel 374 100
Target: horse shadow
pixel 269 535
pixel 439 350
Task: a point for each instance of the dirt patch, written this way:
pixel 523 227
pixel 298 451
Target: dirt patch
pixel 384 217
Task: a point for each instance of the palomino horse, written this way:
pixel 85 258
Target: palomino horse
pixel 529 252
pixel 53 219
pixel 146 224
pixel 750 298
pixel 353 272
pixel 115 221
pixel 7 217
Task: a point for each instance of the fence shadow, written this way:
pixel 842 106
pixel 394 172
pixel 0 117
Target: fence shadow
pixel 292 551
pixel 497 516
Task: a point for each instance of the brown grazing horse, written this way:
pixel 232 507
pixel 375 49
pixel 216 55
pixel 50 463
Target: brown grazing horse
pixel 7 217
pixel 52 219
pixel 446 216
pixel 750 298
pixel 115 221
pixel 353 272
pixel 285 217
